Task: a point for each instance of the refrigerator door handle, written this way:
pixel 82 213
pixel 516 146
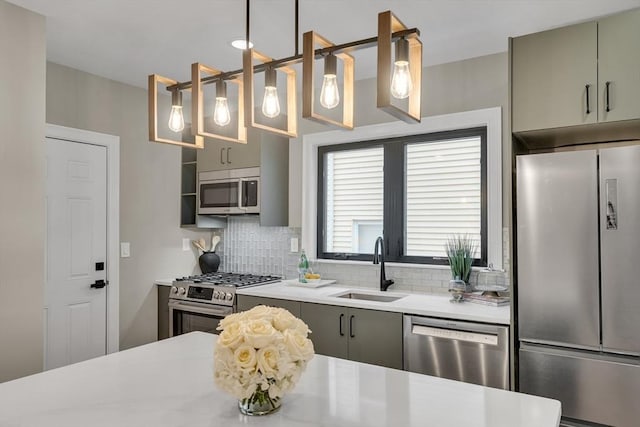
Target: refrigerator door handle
pixel 611 188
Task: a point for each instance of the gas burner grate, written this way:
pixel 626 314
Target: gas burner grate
pixel 238 280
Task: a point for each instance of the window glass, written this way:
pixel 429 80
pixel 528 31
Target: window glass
pixel 443 194
pixel 353 202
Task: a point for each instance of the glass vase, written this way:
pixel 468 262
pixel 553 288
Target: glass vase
pixel 457 288
pixel 259 404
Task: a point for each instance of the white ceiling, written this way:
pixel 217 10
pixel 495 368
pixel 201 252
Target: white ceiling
pixel 126 40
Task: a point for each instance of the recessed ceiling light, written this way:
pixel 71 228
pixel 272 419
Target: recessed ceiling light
pixel 241 44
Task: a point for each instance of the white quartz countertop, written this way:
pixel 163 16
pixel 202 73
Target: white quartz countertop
pixel 170 383
pixel 410 303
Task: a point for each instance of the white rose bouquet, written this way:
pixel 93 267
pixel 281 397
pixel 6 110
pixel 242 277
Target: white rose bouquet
pixel 260 355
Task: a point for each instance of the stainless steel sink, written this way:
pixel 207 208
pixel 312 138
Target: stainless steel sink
pixel 370 297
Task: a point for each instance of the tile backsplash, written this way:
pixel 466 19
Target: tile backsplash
pixel 246 247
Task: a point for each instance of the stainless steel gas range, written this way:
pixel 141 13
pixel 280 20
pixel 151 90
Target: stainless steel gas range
pixel 198 303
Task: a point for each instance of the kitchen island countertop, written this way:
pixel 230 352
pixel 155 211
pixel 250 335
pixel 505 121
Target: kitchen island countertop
pixel 170 383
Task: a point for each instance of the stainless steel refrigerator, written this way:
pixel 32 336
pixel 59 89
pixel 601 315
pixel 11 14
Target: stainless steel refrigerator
pixel 578 282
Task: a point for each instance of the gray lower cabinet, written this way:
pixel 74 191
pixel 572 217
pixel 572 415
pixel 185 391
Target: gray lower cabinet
pixel 246 302
pixel 328 328
pixel 163 312
pixel 368 336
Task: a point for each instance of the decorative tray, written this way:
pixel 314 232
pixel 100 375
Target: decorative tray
pixel 493 300
pixel 310 284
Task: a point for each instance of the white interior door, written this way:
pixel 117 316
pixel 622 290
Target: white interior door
pixel 75 312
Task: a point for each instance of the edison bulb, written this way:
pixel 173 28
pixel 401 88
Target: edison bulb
pixel 401 81
pixel 221 115
pixel 176 119
pixel 270 102
pixel 329 95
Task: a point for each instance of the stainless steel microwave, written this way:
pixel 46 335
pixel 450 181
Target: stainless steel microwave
pixel 233 191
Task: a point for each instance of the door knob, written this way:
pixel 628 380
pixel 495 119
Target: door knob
pixel 99 284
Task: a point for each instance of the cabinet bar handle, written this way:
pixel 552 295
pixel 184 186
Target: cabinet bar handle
pixel 221 160
pixel 341 331
pixel 588 108
pixel 228 149
pixel 608 107
pixel 351 334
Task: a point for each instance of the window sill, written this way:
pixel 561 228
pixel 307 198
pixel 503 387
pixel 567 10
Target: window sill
pixel 388 264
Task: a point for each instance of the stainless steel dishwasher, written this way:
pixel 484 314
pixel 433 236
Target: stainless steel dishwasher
pixel 471 352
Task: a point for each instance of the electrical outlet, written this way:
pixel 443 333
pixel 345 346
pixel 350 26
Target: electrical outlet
pixel 294 244
pixel 186 245
pixel 125 250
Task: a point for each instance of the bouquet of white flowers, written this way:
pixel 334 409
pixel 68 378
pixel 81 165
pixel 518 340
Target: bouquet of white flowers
pixel 260 355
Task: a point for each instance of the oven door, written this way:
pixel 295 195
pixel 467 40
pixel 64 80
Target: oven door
pixel 219 197
pixel 187 316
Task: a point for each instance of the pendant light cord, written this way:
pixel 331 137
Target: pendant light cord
pixel 247 27
pixel 297 35
pixel 297 26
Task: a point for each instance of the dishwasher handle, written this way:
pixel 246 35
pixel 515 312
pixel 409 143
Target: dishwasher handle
pixel 455 335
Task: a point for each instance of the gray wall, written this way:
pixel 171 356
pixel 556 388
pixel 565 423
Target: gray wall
pixel 466 85
pixel 22 92
pixel 447 88
pixel 149 189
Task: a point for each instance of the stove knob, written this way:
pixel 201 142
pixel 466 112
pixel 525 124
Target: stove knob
pixel 182 291
pixel 216 295
pixel 174 289
pixel 229 296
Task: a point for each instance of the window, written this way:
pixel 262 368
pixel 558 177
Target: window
pixel 419 189
pixel 354 202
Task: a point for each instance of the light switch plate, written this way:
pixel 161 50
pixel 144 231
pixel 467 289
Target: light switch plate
pixel 125 249
pixel 186 244
pixel 294 244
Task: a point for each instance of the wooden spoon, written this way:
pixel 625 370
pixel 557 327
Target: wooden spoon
pixel 214 242
pixel 197 244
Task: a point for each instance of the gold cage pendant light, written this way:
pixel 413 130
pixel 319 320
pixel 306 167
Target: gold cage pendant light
pixel 399 76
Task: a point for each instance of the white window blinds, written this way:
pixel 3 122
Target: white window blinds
pixel 353 200
pixel 443 194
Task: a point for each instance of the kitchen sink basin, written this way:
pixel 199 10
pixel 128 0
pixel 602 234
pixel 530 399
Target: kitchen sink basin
pixel 370 297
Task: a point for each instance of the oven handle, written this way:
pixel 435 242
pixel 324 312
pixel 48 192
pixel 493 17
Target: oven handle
pixel 200 308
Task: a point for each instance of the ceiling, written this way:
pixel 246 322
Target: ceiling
pixel 126 40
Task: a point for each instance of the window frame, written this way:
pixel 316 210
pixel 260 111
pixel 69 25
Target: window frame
pixel 394 190
pixel 303 174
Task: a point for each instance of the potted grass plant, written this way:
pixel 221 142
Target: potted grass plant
pixel 461 250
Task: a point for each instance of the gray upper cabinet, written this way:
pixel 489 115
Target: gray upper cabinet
pixel 619 67
pixel 222 155
pixel 570 76
pixel 368 336
pixel 268 151
pixel 188 191
pixel 550 74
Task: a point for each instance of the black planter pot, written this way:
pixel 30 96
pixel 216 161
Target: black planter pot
pixel 209 262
